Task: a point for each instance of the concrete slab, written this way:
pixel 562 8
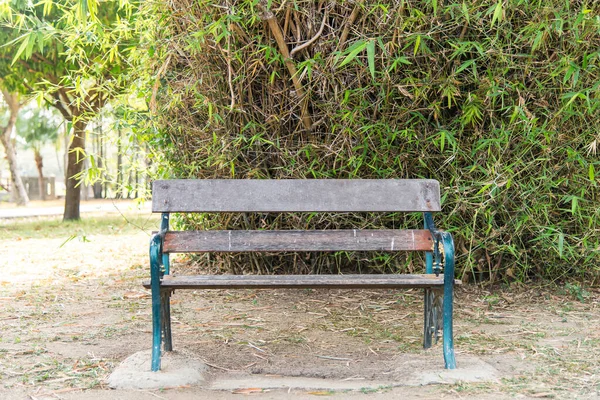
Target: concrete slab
pixel 179 370
pixel 231 382
pixel 414 373
pixel 470 369
pixel 176 370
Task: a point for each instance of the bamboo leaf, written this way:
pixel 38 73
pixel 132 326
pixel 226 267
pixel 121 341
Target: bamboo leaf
pixel 442 140
pixel 591 172
pixel 464 66
pixel 47 7
pixel 561 244
pixel 30 44
pixel 572 96
pixel 371 57
pixel 40 42
pixel 497 13
pixel 568 73
pixel 399 60
pixel 21 48
pixel 417 44
pixel 83 11
pixel 465 11
pixel 353 52
pixel 484 188
pixel 537 41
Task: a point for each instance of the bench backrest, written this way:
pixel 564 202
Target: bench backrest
pixel 295 195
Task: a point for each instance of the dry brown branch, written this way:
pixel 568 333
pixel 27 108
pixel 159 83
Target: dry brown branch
pixel 230 72
pixel 313 39
pixel 276 31
pixel 349 23
pixel 235 27
pixel 156 85
pixel 286 24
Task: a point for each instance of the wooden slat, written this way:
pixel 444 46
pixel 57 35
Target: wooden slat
pixel 290 195
pixel 299 281
pixel 328 240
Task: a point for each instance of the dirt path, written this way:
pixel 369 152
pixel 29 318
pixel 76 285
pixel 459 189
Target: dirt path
pixel 71 310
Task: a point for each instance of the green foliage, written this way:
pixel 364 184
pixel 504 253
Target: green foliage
pixel 499 100
pixel 76 55
pixel 72 46
pixel 577 291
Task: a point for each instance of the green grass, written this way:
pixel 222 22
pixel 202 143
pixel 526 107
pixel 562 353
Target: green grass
pixel 54 227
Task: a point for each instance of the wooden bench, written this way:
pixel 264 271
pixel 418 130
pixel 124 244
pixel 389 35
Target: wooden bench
pixel 318 195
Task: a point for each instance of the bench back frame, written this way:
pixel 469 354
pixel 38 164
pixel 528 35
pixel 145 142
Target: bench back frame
pixel 296 195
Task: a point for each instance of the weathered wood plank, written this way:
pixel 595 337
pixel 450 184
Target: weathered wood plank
pixel 300 281
pixel 328 240
pixel 291 195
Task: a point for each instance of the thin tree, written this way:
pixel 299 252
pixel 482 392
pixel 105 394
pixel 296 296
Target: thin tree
pixel 38 127
pixel 12 101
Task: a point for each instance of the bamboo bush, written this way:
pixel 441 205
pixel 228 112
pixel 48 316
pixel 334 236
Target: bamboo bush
pixel 498 100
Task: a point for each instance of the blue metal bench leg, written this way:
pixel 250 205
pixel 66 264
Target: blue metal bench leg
pixel 166 295
pixel 448 300
pixel 427 322
pixel 166 319
pixel 156 300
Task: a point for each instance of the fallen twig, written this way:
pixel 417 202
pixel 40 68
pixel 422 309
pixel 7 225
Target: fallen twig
pixel 221 368
pixel 256 347
pixel 335 358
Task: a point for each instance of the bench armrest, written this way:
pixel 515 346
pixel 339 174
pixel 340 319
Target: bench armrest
pixel 443 248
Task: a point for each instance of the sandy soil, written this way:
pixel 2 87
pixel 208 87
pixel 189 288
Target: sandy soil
pixel 70 311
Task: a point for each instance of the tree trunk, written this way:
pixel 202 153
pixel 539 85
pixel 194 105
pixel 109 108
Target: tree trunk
pixel 74 167
pixel 148 159
pixel 105 166
pixel 39 165
pixel 76 113
pixel 13 104
pixel 97 185
pixel 132 167
pixel 66 144
pixel 136 148
pixel 137 183
pixel 119 191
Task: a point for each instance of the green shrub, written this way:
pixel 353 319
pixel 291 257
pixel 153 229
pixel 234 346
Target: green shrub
pixel 499 101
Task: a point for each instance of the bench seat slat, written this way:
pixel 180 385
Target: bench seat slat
pixel 291 240
pixel 301 281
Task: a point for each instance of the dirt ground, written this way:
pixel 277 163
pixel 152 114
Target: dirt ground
pixel 72 307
